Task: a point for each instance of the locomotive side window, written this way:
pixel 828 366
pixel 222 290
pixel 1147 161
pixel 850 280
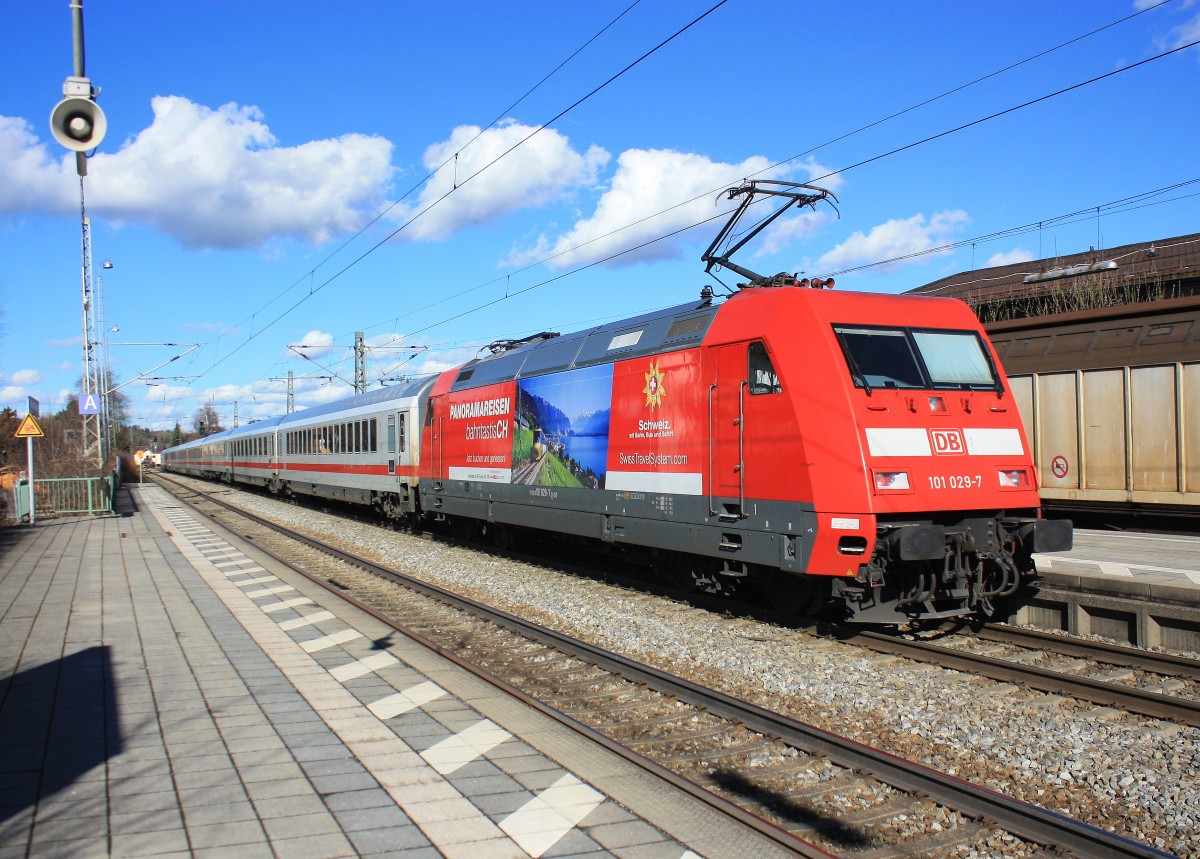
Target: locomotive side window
pixel 954 358
pixel 880 358
pixel 763 379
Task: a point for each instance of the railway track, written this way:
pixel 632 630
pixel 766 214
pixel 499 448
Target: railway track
pixel 815 792
pixel 1131 679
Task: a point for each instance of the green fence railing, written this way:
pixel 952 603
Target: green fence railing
pixel 67 496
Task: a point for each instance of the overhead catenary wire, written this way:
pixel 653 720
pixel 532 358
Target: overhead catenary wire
pixel 778 164
pixel 315 288
pixel 1116 206
pixel 477 173
pixel 861 163
pixel 311 274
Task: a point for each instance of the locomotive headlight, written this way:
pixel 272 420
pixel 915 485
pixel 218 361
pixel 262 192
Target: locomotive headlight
pixel 1013 478
pixel 891 480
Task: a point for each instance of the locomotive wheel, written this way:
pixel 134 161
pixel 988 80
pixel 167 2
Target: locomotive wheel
pixel 678 571
pixel 464 529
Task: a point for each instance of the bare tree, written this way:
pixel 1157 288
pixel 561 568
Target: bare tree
pixel 206 421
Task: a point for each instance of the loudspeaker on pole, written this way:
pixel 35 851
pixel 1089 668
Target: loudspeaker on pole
pixel 78 124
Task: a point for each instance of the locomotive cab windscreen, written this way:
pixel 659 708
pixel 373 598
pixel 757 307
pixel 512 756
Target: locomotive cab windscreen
pixel 916 359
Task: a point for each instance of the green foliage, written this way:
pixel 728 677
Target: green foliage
pixel 522 444
pixel 555 473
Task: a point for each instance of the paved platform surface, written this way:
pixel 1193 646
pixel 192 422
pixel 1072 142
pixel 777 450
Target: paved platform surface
pixel 1141 561
pixel 164 691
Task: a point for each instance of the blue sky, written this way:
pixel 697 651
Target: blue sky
pixel 262 182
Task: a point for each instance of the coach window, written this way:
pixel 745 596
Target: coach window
pixel 763 379
pixel 391 434
pixel 372 427
pixel 358 437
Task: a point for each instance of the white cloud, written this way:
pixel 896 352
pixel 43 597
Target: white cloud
pixel 784 231
pixel 314 344
pixel 31 179
pixel 1016 255
pixel 25 377
pixel 208 178
pixel 540 170
pixel 1184 34
pixel 12 392
pixel 646 182
pixel 897 238
pixel 168 394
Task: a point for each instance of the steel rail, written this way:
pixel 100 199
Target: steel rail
pixel 1169 664
pixel 1023 819
pixel 1129 698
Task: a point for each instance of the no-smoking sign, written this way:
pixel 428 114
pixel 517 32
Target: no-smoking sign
pixel 1059 466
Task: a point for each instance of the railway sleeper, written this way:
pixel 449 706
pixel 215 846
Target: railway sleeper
pixel 586 684
pixel 675 739
pixel 593 717
pixel 960 832
pixel 584 699
pixel 714 755
pixel 647 724
pixel 889 808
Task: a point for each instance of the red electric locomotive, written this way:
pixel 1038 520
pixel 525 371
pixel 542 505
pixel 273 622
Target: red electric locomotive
pixel 827 444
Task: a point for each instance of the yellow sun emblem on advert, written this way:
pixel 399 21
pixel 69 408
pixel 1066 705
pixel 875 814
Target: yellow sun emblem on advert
pixel 654 389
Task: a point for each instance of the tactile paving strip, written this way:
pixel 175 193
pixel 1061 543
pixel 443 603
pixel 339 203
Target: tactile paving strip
pixel 531 799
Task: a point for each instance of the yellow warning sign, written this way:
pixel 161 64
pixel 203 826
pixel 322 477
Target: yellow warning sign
pixel 29 428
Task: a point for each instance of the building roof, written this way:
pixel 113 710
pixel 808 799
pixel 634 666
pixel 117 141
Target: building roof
pixel 1159 269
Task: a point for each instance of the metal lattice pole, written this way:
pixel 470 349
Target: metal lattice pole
pixel 360 364
pixel 93 387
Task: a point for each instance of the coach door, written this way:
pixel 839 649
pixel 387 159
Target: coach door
pixel 726 417
pixel 399 441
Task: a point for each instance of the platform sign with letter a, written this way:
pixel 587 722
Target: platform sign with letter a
pixel 89 404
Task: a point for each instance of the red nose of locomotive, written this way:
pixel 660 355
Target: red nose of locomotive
pixel 948 469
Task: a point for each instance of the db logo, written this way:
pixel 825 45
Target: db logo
pixel 948 442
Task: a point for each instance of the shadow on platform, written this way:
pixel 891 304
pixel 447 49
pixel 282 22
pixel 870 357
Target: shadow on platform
pixel 57 722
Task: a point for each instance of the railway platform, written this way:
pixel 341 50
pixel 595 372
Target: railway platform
pixel 1142 589
pixel 166 690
